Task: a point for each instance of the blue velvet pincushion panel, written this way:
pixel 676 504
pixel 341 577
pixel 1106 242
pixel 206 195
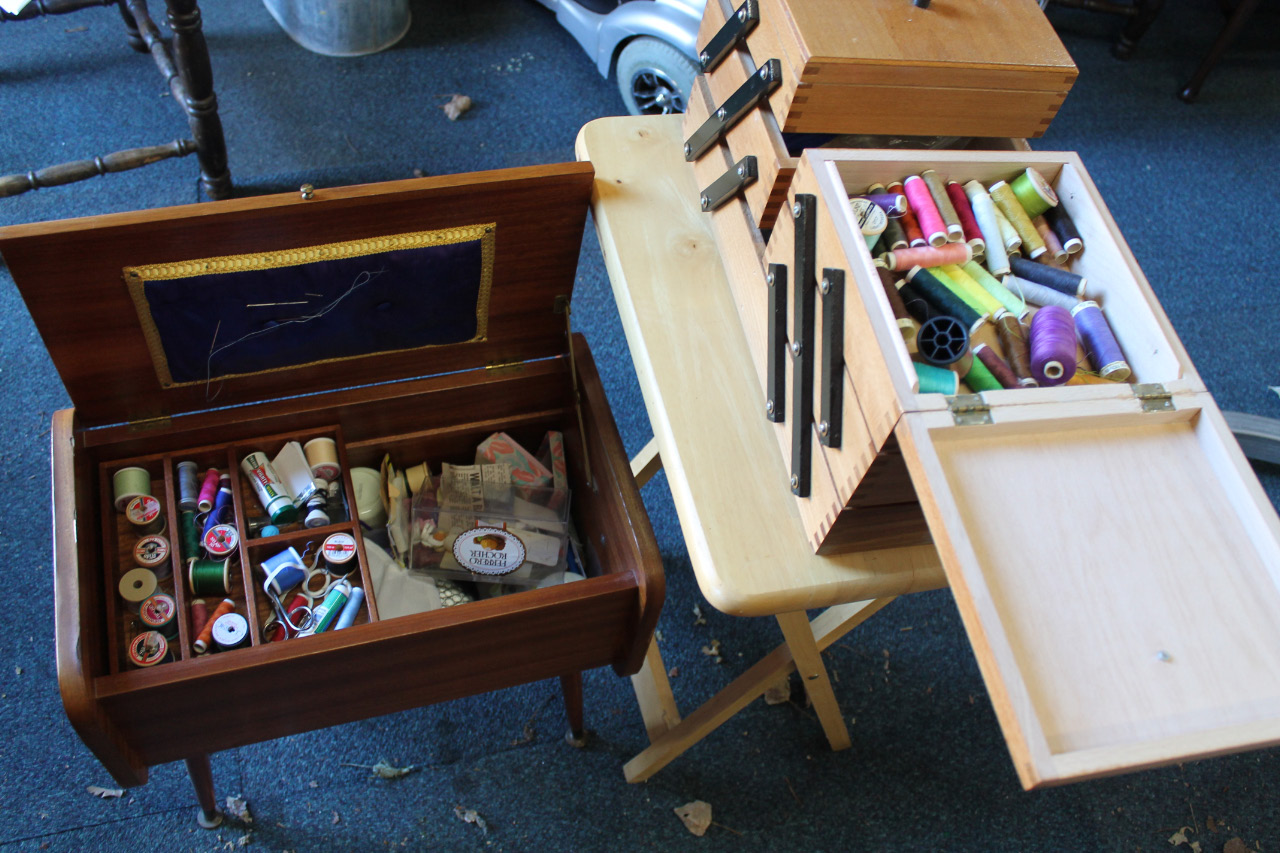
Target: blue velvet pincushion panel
pixel 221 317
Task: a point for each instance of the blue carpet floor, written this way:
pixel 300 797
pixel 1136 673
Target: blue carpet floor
pixel 1191 188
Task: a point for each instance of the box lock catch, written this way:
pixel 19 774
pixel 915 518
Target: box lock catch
pixel 733 33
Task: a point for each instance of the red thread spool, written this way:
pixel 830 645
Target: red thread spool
pixel 199 616
pixel 999 368
pixel 972 233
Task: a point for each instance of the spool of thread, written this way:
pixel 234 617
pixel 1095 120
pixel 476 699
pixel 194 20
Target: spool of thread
pixel 870 220
pixel 223 508
pixel 322 456
pixel 931 221
pixel 283 571
pixel 209 576
pixel 972 233
pixel 942 201
pixel 149 649
pixel 907 325
pixel 955 287
pixel 1033 192
pixel 991 285
pixel 874 188
pixel 190 535
pixel 1009 234
pixel 936 380
pixel 944 342
pixel 999 368
pixel 1053 345
pixel 1053 246
pixel 908 220
pixel 1063 281
pixel 188 485
pixel 199 616
pixel 1012 209
pixel 984 212
pixel 979 378
pixel 1038 294
pixel 299 614
pixel 917 306
pixel 268 486
pixel 208 490
pixel 350 610
pixel 152 552
pixel 943 299
pixel 160 613
pixel 201 643
pixel 987 303
pixel 1100 342
pixel 1013 340
pixel 928 256
pixel 230 631
pixel 136 586
pixel 144 515
pixel 129 483
pixel 339 552
pixel 893 204
pixel 1063 225
pixel 221 541
pixel 316 515
pixel 894 238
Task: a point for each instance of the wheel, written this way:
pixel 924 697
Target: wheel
pixel 653 77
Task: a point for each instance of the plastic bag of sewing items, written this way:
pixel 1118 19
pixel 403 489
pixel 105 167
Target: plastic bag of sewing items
pixel 496 525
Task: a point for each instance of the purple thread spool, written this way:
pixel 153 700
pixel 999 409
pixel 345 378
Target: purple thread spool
pixel 1053 345
pixel 893 204
pixel 1099 343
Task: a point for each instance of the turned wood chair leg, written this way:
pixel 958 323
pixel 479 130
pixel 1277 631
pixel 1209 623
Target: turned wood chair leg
pixel 209 816
pixel 1235 23
pixel 191 57
pixel 131 29
pixel 1135 27
pixel 571 686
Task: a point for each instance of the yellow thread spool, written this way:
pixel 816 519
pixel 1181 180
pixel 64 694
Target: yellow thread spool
pixel 1007 202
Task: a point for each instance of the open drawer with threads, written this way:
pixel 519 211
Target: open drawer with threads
pixel 1111 552
pixel 270 359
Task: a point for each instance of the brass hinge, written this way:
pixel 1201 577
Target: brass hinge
pixel 969 410
pixel 505 366
pixel 149 424
pixel 1154 397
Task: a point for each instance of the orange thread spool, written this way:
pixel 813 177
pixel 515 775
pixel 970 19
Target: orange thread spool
pixel 206 633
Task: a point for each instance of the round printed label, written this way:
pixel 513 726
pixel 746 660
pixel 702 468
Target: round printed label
pixel 151 551
pixel 148 648
pixel 221 540
pixel 339 548
pixel 143 509
pixel 489 551
pixel 157 610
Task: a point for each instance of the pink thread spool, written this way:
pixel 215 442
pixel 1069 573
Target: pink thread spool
pixel 931 224
pixel 1053 345
pixel 928 256
pixel 208 490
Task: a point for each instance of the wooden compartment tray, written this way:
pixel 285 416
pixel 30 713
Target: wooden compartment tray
pixel 522 374
pixel 1113 556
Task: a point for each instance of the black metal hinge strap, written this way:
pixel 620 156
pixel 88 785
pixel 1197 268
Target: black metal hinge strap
pixel 804 296
pixel 734 31
pixel 831 405
pixel 739 176
pixel 776 378
pixel 757 87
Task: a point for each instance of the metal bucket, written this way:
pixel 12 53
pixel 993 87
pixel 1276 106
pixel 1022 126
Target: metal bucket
pixel 342 27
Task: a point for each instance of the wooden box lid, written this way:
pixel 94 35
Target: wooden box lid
pixel 526 225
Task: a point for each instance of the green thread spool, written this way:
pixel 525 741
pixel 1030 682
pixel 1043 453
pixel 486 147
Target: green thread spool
pixel 129 483
pixel 209 577
pixel 1002 194
pixel 989 304
pixel 1034 193
pixel 979 378
pixel 190 535
pixel 1008 236
pixel 992 285
pixel 943 298
pixel 936 380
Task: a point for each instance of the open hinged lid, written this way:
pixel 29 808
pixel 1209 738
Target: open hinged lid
pixel 162 312
pixel 1113 556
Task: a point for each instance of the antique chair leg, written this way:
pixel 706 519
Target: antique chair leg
pixel 1135 27
pixel 131 29
pixel 201 775
pixel 571 687
pixel 191 56
pixel 1235 23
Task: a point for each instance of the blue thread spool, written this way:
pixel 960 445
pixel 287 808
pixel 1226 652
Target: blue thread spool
pixel 223 508
pixel 284 571
pixel 188 486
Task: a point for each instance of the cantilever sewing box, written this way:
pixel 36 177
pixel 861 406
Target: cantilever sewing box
pixel 445 306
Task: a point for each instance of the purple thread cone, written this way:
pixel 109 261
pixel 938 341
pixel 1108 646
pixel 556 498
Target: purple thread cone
pixel 1053 345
